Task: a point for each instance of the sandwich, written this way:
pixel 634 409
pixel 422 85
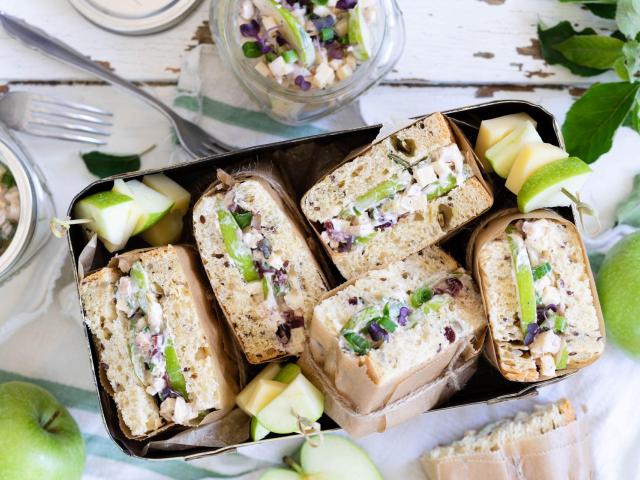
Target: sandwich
pixel 546 443
pixel 159 344
pixel 401 325
pixel 397 197
pixel 540 297
pixel 260 266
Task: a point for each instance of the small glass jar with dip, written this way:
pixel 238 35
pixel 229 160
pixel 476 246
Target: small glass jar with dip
pixel 304 59
pixel 26 207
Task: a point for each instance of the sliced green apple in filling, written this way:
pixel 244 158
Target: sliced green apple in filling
pixel 502 155
pixel 440 188
pixel 174 372
pixel 299 400
pixel 523 278
pixel 495 129
pixel 291 29
pixel 236 248
pixel 152 206
pixel 548 186
pixel 112 216
pixel 531 158
pixel 374 197
pixel 359 34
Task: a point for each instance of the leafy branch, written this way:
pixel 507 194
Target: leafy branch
pixel 594 118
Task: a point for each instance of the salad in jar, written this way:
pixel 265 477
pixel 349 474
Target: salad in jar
pixel 9 207
pixel 307 44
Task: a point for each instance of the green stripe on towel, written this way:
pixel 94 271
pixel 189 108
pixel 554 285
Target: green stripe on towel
pixel 257 121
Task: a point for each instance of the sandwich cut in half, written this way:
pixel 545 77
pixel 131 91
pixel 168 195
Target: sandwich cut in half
pixel 397 197
pixel 548 443
pixel 160 346
pixel 403 324
pixel 540 297
pixel 259 264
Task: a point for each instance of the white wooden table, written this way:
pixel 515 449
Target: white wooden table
pixel 458 52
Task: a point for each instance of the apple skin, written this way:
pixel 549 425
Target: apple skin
pixel 27 450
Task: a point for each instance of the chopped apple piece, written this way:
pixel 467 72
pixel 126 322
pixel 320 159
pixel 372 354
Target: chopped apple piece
pixel 151 205
pixel 166 231
pixel 545 186
pixel 531 158
pixel 267 373
pixel 180 197
pixel 495 129
pixel 262 395
pixel 258 432
pixel 502 155
pixel 300 399
pixel 111 214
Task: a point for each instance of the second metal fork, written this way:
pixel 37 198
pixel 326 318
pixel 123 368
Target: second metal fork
pixel 54 118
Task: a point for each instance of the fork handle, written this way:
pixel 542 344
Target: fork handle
pixel 39 40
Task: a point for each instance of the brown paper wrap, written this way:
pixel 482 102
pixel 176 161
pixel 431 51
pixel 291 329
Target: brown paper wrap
pixel 494 226
pixel 466 149
pixel 227 364
pixel 561 454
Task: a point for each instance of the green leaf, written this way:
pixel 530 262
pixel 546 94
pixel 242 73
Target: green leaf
pixel 555 35
pixel 593 119
pixel 106 164
pixel 604 11
pixel 243 219
pixel 594 51
pixel 633 119
pixel 631 52
pixel 628 17
pixel 628 212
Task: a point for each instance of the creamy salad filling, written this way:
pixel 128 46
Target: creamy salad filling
pixel 9 207
pixel 375 323
pixel 307 44
pixel 403 194
pixel 268 275
pixel 546 335
pixel 151 349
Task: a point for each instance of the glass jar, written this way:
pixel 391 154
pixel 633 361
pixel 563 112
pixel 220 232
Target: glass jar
pixel 36 207
pixel 293 106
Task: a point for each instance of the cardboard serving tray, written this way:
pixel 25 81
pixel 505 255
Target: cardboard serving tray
pixel 302 162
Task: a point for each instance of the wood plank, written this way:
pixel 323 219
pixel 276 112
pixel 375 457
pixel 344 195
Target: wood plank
pixel 448 42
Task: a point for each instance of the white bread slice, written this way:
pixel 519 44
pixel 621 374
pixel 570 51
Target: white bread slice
pixel 494 437
pixel 244 306
pixel 369 380
pixel 412 233
pixel 583 335
pixel 197 336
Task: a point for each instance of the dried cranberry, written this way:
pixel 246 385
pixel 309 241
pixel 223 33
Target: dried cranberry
pixel 346 245
pixel 353 301
pixel 449 334
pixel 283 333
pixel 532 331
pixel 293 320
pixel 280 277
pixel 451 285
pixel 346 4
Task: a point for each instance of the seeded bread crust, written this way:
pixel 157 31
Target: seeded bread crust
pixel 409 350
pixel 208 371
pixel 244 308
pixel 583 334
pixel 412 233
pixel 495 436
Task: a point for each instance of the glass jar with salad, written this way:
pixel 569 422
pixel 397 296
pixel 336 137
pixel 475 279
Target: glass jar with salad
pixel 304 59
pixel 25 207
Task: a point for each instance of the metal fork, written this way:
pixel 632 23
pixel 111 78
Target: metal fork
pixel 53 118
pixel 194 139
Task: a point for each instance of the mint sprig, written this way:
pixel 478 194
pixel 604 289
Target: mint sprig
pixel 593 119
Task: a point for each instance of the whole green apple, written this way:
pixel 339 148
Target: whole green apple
pixel 39 440
pixel 618 287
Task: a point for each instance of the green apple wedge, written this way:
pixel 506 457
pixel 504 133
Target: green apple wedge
pixel 524 279
pixel 359 34
pixel 301 399
pixel 258 432
pixel 152 206
pixel 169 229
pixel 39 439
pixel 502 155
pixel 292 31
pixel 495 129
pixel 531 158
pixel 334 458
pixel 112 215
pixel 546 187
